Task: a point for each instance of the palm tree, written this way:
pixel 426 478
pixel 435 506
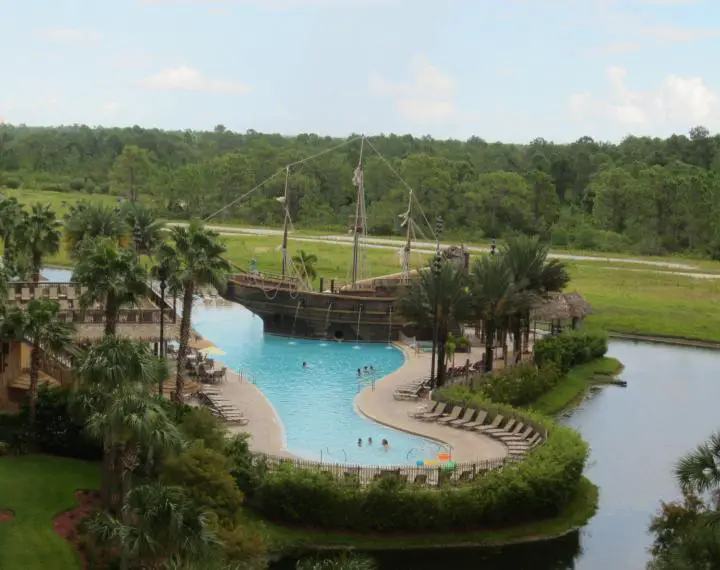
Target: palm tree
pixel 86 221
pixel 112 276
pixel 200 260
pixel 39 235
pixel 117 375
pixel 496 298
pixel 145 227
pixel 158 527
pixel 305 264
pixel 39 326
pixel 699 471
pixel 11 215
pixel 532 271
pixel 447 289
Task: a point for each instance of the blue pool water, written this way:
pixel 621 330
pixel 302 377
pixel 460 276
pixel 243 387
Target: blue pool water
pixel 315 404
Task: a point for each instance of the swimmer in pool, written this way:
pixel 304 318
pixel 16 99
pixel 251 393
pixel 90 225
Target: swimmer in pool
pixel 359 373
pixel 359 442
pixel 304 364
pixel 385 444
pixel 369 441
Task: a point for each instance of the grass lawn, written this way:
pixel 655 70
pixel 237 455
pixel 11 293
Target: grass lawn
pixel 575 515
pixel 649 302
pixel 572 388
pixel 37 488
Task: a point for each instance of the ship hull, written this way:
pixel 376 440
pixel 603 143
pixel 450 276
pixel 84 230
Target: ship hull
pixel 366 317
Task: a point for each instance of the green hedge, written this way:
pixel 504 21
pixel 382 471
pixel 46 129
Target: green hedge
pixel 570 349
pixel 538 487
pixel 519 385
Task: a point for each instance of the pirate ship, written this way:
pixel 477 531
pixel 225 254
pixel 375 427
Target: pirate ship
pixel 363 309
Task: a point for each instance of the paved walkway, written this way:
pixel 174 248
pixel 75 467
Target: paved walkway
pixel 379 405
pixel 267 433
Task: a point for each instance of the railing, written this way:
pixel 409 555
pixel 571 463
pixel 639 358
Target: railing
pixel 68 293
pixel 126 316
pixel 435 476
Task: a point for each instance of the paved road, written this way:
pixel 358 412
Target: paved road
pixel 429 247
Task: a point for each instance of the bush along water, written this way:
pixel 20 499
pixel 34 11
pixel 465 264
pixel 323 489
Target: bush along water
pixel 536 488
pixel 519 385
pixel 570 349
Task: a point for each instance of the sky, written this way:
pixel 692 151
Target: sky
pixel 502 70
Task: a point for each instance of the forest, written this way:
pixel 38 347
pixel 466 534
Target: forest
pixel 643 195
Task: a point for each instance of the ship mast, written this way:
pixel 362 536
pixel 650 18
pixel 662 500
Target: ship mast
pixel 407 221
pixel 285 223
pixel 358 228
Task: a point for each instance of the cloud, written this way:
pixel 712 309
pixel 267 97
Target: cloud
pixel 69 35
pixel 619 47
pixel 428 97
pixel 184 78
pixel 676 104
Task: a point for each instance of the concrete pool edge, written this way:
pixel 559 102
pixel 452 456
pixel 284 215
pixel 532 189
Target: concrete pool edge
pixel 377 404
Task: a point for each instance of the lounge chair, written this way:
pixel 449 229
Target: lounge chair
pixel 495 432
pixel 455 414
pixel 525 445
pixel 494 425
pixel 424 410
pixel 436 413
pixel 479 420
pixel 518 437
pixel 467 416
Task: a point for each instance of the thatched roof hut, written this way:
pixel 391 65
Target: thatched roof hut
pixel 562 307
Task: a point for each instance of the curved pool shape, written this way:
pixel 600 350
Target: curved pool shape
pixel 315 404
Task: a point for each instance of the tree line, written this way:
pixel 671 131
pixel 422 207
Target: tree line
pixel 646 195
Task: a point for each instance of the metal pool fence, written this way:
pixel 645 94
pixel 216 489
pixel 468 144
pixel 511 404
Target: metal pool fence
pixel 362 475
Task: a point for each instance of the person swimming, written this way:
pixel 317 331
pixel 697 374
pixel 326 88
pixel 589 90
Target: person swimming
pixel 365 370
pixel 304 364
pixel 386 444
pixel 369 441
pixel 359 373
pixel 372 370
pixel 359 442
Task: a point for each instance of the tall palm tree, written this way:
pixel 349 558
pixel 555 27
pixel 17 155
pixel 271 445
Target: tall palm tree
pixel 146 229
pixel 305 264
pixel 158 527
pixel 112 276
pixel 39 326
pixel 496 298
pixel 86 221
pixel 117 375
pixel 447 289
pixel 39 235
pixel 11 215
pixel 532 271
pixel 199 255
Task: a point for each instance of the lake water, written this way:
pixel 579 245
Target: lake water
pixel 636 434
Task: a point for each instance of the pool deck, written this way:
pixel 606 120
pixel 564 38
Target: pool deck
pixel 266 430
pixel 379 405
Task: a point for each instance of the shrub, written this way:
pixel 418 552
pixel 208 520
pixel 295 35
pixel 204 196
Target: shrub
pixel 538 487
pixel 520 385
pixel 570 349
pixel 205 476
pixel 199 424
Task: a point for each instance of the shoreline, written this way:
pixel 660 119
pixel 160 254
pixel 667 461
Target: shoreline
pixel 669 340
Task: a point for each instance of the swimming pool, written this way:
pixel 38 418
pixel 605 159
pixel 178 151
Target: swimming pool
pixel 315 404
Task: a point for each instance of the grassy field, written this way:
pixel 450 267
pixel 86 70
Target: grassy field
pixel 37 488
